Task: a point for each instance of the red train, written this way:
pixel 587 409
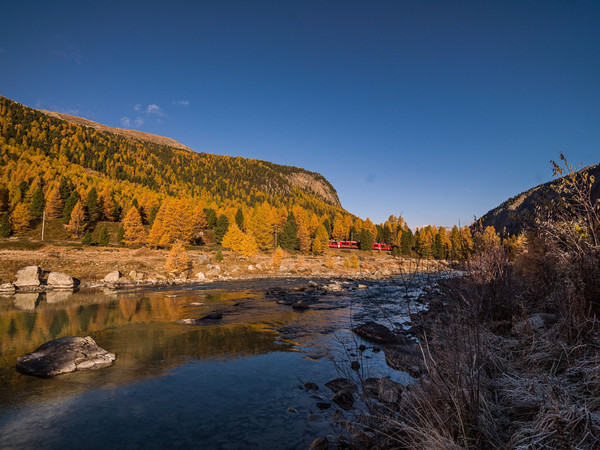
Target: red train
pixel 356 245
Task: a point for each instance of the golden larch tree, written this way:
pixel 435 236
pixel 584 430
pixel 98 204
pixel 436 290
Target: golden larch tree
pixel 54 203
pixel 20 218
pixel 76 225
pixel 134 229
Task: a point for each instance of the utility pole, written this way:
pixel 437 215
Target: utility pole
pixel 43 223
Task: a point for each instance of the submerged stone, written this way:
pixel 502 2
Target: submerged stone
pixel 374 332
pixel 64 355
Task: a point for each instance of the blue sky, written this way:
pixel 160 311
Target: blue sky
pixel 436 110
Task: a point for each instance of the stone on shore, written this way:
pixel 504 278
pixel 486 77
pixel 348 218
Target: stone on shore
pixel 57 280
pixel 407 358
pixel 7 288
pixel 113 277
pixel 389 390
pixel 29 277
pixel 64 355
pixel 200 276
pixel 340 383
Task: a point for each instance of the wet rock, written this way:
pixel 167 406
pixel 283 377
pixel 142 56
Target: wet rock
pixel 344 398
pixel 362 348
pixel 200 276
pixel 113 277
pixel 535 322
pixel 321 443
pixel 312 284
pixel 334 287
pixel 407 358
pixel 311 386
pixel 7 288
pixel 371 385
pixel 212 316
pixel 57 280
pixel 300 305
pixel 376 349
pixel 29 277
pixel 355 365
pixel 388 390
pixel 341 383
pixel 64 355
pixel 362 286
pixel 292 410
pixel 323 405
pixel 377 333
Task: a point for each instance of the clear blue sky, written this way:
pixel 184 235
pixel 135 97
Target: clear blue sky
pixel 436 110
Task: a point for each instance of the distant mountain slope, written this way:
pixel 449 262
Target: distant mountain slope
pixel 156 163
pixel 519 212
pixel 130 134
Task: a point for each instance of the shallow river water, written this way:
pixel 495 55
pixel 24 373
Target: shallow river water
pixel 232 383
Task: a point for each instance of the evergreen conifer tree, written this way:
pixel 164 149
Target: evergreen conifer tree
pixel 366 240
pixel 211 217
pixel 92 206
pixel 438 247
pixel 221 228
pixel 120 234
pixel 69 205
pixel 36 208
pixel 87 238
pixel 288 238
pixel 5 228
pixel 104 237
pixel 239 219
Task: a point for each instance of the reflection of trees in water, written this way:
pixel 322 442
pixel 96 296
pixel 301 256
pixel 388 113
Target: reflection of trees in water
pixel 22 330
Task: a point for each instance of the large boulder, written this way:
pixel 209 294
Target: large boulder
pixel 29 277
pixel 113 277
pixel 57 280
pixel 64 355
pixel 407 358
pixel 374 332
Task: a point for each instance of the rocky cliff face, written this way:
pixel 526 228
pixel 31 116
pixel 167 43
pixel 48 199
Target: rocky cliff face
pixel 520 211
pixel 315 184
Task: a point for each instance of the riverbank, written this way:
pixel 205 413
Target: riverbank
pixel 144 266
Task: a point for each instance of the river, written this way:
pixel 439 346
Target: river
pixel 233 383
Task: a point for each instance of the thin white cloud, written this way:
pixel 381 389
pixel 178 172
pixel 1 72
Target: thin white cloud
pixel 182 102
pixel 138 121
pixel 126 121
pixel 137 108
pixel 154 109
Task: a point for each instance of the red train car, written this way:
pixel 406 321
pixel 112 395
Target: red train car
pixel 343 244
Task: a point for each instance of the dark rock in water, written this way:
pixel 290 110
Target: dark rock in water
pixel 340 383
pixel 371 385
pixel 376 349
pixel 300 305
pixel 311 386
pixel 389 390
pixel 407 358
pixel 212 316
pixel 355 365
pixel 362 348
pixel 64 355
pixel 374 332
pixel 314 417
pixel 320 444
pixel 292 410
pixel 323 405
pixel 344 398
